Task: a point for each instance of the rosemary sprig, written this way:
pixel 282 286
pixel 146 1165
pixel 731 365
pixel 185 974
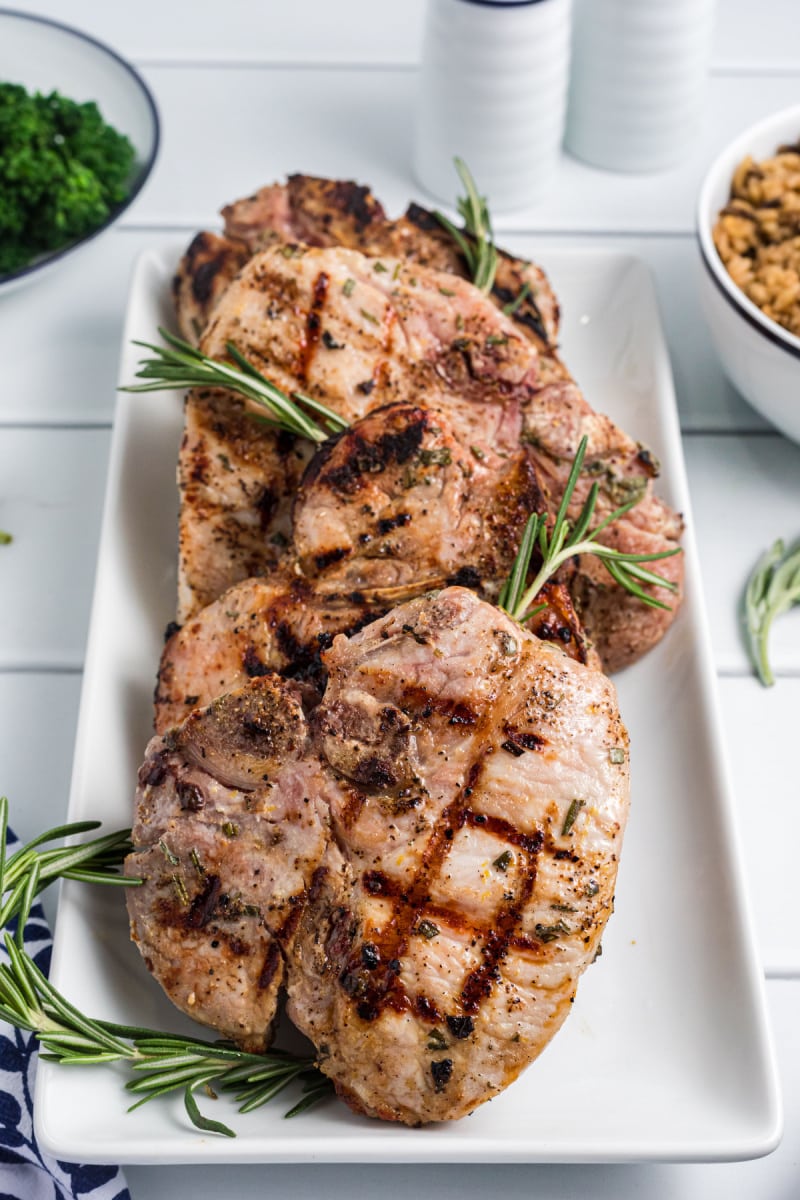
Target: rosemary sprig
pixel 476 240
pixel 180 365
pixel 96 861
pixel 161 1062
pixel 567 539
pixel 772 589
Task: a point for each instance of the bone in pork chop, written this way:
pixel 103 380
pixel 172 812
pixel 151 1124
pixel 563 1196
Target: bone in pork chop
pixel 427 859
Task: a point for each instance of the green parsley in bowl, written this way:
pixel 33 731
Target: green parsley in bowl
pixel 78 138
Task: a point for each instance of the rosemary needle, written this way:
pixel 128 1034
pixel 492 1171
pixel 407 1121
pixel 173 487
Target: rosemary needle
pixel 476 240
pixel 772 589
pixel 180 365
pixel 569 538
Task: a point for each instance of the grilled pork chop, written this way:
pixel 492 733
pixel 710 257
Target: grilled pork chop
pixel 284 625
pixel 361 334
pixel 426 859
pixel 332 212
pixel 358 338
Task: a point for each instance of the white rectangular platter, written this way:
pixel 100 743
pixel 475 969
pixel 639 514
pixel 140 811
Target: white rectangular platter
pixel 666 1054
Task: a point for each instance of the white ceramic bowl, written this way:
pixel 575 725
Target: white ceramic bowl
pixel 47 56
pixel 761 359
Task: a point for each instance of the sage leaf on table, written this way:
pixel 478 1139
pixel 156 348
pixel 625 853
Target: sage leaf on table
pixel 772 589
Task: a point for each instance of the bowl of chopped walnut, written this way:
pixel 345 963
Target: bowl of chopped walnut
pixel 748 226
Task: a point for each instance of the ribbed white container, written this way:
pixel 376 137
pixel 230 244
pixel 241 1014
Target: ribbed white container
pixel 639 70
pixel 493 88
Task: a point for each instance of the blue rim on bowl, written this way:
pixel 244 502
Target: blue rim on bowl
pixel 143 167
pixel 721 171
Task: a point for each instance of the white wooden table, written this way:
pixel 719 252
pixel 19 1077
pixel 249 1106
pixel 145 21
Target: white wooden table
pixel 248 93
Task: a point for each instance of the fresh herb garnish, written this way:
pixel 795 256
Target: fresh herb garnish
pixel 476 240
pixel 512 306
pixel 572 815
pixel 161 1062
pixel 569 538
pixel 180 365
pixel 772 589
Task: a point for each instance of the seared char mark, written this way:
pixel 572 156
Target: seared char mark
pixel 204 904
pixel 253 666
pixel 479 983
pixel 190 797
pixel 384 986
pixel 393 448
pixel 313 329
pixel 526 312
pixel 331 556
pixel 271 963
pixel 518 741
pixel 267 506
pixel 468 577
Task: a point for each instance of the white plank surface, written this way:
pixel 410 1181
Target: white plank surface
pixel 761 733
pixel 52 495
pixel 746 493
pixel 65 334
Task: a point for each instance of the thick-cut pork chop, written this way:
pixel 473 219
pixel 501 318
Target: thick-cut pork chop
pixel 427 858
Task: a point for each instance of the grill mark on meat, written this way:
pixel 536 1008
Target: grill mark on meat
pixel 204 276
pixel 331 556
pixel 190 797
pixel 266 506
pixel 479 982
pixel 518 741
pixel 370 458
pixel 420 703
pixel 527 313
pixel 529 843
pixel 253 666
pixel 383 987
pixel 313 329
pixel 204 903
pixel 271 964
pixel 468 577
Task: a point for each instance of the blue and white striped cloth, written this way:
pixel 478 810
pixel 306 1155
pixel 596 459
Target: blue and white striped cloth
pixel 25 1172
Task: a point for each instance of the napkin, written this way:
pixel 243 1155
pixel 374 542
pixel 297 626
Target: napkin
pixel 25 1172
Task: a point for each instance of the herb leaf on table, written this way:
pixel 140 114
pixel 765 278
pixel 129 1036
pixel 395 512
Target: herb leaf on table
pixel 772 589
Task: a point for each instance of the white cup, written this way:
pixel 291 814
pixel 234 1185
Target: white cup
pixel 639 70
pixel 492 91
